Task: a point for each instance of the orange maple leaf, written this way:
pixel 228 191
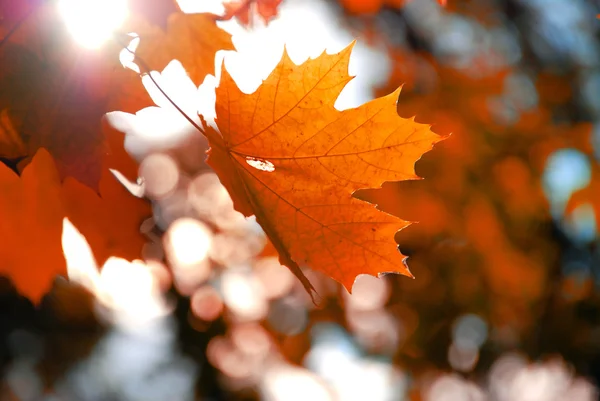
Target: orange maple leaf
pixel 289 157
pixel 193 39
pixel 32 208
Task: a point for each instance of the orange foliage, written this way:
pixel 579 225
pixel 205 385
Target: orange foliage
pixel 51 105
pixel 193 39
pixel 242 9
pixel 374 6
pixel 53 96
pixel 32 209
pixel 481 209
pixel 289 157
pixel 309 173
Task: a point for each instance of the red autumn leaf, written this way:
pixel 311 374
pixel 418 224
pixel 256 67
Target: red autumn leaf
pixel 289 157
pixel 12 13
pixel 243 9
pixel 374 6
pixel 54 94
pixel 156 12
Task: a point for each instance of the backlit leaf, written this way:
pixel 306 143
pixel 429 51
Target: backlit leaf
pixel 288 156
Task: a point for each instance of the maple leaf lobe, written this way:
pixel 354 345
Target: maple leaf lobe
pixel 318 157
pixel 193 39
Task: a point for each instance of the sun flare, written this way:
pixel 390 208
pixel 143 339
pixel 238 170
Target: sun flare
pixel 92 22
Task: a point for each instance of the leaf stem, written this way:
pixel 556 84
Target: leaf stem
pixel 146 71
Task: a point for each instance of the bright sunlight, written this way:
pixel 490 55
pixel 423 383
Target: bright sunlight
pixel 92 22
